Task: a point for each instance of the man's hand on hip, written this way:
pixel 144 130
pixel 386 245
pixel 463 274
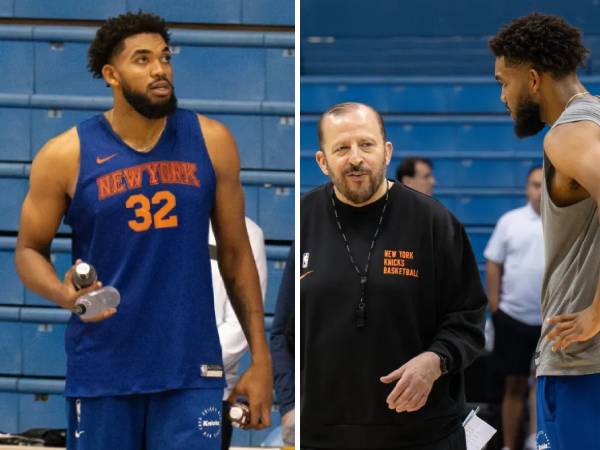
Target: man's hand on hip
pixel 256 385
pixel 415 380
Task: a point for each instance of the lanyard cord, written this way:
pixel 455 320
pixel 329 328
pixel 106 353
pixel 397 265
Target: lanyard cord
pixel 361 309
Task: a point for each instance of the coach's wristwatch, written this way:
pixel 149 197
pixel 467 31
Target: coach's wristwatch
pixel 443 363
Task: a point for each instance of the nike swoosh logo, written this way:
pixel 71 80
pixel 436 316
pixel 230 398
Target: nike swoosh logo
pixel 305 274
pixel 78 433
pixel 103 160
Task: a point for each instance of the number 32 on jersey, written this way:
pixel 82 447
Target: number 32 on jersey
pixel 165 202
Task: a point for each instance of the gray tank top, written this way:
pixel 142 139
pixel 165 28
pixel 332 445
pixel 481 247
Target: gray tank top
pixel 572 253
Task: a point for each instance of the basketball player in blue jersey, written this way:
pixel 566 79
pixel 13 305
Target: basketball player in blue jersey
pixel 138 185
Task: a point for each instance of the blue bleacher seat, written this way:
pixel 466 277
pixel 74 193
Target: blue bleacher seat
pixel 44 349
pixel 13 193
pixel 68 9
pixel 280 74
pixel 17 55
pixel 61 68
pixel 62 262
pixel 9 412
pixel 12 289
pixel 6 8
pixel 275 269
pixel 225 73
pixel 190 11
pixel 247 131
pixel 411 135
pixel 278 132
pixel 42 411
pixel 15 131
pixel 11 350
pixel 480 208
pixel 251 203
pixel 479 238
pixel 276 212
pixel 268 12
pixel 311 173
pixel 476 170
pixel 48 123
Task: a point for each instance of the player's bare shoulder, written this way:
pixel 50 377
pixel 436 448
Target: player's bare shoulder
pixel 220 144
pixel 57 162
pixel 569 147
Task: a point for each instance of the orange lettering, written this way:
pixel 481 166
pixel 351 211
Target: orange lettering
pixel 133 175
pixel 104 187
pixel 117 179
pixel 166 172
pixel 190 171
pixel 152 169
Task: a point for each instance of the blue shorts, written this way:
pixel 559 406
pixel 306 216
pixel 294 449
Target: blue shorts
pixel 568 412
pixel 187 419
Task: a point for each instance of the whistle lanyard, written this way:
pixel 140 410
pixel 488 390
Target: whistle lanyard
pixel 360 313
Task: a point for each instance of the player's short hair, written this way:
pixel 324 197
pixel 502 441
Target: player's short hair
pixel 343 108
pixel 408 166
pixel 546 42
pixel 110 36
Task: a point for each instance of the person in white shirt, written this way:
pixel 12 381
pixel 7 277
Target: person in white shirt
pixel 514 272
pixel 231 335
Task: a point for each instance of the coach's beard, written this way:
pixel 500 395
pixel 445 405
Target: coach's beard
pixel 527 121
pixel 362 194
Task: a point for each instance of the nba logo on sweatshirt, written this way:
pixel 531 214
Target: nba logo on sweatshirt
pixel 305 258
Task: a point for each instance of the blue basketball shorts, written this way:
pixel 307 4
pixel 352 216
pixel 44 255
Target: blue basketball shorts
pixel 187 419
pixel 568 412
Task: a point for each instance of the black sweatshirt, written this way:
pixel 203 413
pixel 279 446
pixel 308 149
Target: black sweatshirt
pixel 423 293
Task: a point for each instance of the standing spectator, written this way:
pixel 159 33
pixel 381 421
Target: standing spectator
pixel 231 335
pixel 282 350
pixel 514 272
pixel 417 174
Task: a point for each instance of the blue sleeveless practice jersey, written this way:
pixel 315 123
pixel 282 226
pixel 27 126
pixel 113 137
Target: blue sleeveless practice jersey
pixel 142 220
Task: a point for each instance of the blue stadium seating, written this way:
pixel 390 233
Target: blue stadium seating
pixel 259 12
pixel 9 411
pixel 43 349
pixel 276 259
pixel 12 289
pixel 410 94
pixel 278 143
pixel 280 74
pixel 479 238
pixel 413 135
pixel 272 12
pixel 276 212
pixel 15 131
pixel 11 354
pixel 481 207
pixel 211 11
pixel 68 9
pixel 40 410
pixel 17 54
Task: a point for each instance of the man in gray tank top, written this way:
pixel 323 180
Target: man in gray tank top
pixel 536 61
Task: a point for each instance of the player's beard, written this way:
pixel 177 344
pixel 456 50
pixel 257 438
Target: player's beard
pixel 366 190
pixel 146 107
pixel 528 121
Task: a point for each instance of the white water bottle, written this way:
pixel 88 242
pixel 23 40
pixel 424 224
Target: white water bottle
pixel 93 303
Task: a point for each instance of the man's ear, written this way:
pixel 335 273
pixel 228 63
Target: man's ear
pixel 322 162
pixel 110 75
